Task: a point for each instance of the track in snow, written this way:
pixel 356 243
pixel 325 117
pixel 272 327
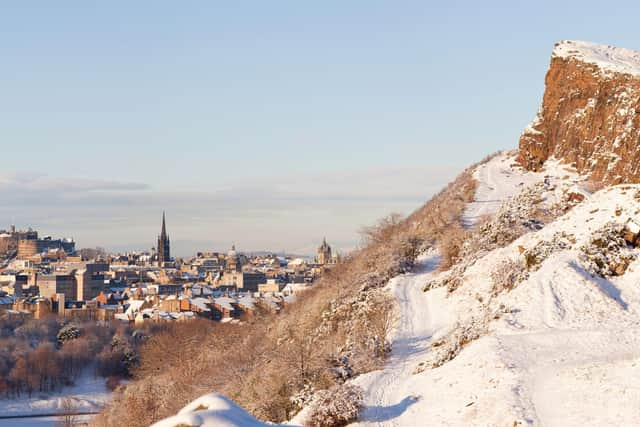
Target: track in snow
pixel 497 181
pixel 386 399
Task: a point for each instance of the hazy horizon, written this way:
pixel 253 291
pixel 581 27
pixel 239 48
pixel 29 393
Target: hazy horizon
pixel 269 125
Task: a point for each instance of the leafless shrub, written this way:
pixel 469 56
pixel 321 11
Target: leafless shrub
pixel 381 318
pixel 607 253
pixel 507 275
pixel 451 245
pixel 449 346
pixel 535 256
pixel 338 406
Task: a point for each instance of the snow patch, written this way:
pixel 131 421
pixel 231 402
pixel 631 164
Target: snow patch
pixel 607 58
pixel 212 410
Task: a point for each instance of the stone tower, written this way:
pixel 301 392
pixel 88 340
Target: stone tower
pixel 324 253
pixel 232 261
pixel 164 251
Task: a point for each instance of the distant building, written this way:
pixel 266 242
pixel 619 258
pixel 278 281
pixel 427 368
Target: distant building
pixel 207 265
pixel 245 281
pixel 76 285
pixel 164 251
pixel 90 281
pixel 324 253
pixel 232 261
pixel 271 286
pixel 9 239
pixel 29 245
pixel 51 284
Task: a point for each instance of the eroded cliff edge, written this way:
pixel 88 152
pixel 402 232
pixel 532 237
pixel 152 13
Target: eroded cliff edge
pixel 590 113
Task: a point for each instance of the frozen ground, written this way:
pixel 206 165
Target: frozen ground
pixel 564 349
pixel 34 422
pixel 89 394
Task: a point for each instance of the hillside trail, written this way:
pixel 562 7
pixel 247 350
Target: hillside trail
pixel 386 399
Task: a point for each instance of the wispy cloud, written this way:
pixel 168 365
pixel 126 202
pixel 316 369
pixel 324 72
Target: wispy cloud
pixel 285 212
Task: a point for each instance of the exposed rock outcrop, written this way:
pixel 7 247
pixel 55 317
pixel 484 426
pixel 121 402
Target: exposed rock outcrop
pixel 590 113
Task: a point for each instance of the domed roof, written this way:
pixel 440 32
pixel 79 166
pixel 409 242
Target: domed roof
pixel 232 253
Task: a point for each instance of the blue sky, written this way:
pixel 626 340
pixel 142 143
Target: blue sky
pixel 266 123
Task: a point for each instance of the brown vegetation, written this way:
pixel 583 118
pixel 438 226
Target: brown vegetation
pixel 272 365
pixel 45 355
pixel 335 407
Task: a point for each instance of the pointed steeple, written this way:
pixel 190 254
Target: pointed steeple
pixel 164 253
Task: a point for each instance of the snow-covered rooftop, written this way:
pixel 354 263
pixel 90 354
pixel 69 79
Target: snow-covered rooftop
pixel 247 301
pixel 608 58
pixel 201 303
pixel 224 302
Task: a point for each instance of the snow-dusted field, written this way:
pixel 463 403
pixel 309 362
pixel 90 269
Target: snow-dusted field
pixel 90 394
pixel 35 422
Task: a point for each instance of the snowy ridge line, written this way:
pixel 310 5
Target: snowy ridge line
pixel 607 58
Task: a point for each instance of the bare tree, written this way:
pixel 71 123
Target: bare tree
pixel 382 317
pixel 68 412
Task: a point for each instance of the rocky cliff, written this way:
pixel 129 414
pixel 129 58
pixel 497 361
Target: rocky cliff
pixel 590 113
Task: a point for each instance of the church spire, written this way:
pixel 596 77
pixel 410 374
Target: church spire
pixel 164 252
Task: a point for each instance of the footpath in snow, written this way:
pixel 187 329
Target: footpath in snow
pixel 390 399
pixel 564 349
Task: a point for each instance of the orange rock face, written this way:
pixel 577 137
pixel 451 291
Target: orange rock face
pixel 590 113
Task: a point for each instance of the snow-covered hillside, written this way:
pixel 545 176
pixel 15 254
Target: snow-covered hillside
pixel 559 349
pixel 541 331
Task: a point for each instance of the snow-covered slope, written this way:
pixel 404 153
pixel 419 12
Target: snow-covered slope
pixel 556 344
pixel 211 410
pixel 502 178
pixel 561 348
